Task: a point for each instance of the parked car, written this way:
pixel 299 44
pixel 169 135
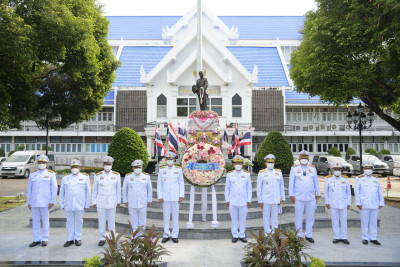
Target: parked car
pixel 390 160
pixel 323 164
pixel 2 159
pixel 22 163
pixel 396 169
pixel 380 167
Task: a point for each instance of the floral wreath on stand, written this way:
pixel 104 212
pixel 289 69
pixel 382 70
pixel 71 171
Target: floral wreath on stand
pixel 203 165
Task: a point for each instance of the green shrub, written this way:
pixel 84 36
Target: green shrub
pixel 229 167
pixel 350 151
pixel 274 143
pixel 21 148
pixel 2 153
pixel 92 262
pixel 11 152
pixel 315 262
pixel 334 151
pixel 127 146
pixel 384 152
pixel 44 148
pixel 370 151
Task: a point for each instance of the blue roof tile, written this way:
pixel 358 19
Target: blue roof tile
pixel 294 97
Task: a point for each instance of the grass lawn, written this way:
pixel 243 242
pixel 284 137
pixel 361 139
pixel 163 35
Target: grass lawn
pixel 5 203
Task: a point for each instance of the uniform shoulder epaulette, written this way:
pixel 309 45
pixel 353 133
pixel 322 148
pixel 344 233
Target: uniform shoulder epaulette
pixel 115 172
pixel 362 175
pixel 98 173
pixel 246 171
pixel 66 174
pixel 345 176
pixel 84 173
pixel 312 165
pixel 329 176
pixel 375 175
pixel 263 170
pixel 129 173
pixel 51 171
pixel 145 173
pixel 178 166
pixel 295 165
pixel 230 171
pixel 278 170
pixel 34 171
pixel 162 167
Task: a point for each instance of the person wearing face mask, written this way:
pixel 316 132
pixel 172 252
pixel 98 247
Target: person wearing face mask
pixel 338 201
pixel 369 200
pixel 270 193
pixel 137 194
pixel 41 195
pixel 170 192
pixel 106 197
pixel 304 192
pixel 238 194
pixel 74 199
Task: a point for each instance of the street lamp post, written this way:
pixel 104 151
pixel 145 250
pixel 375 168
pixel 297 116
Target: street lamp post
pixel 360 121
pixel 44 120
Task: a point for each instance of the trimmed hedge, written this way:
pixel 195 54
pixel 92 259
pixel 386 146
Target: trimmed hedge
pixel 334 151
pixel 274 143
pixel 370 151
pixel 350 151
pixel 384 152
pixel 126 147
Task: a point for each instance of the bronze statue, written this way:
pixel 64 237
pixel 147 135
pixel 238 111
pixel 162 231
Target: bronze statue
pixel 201 90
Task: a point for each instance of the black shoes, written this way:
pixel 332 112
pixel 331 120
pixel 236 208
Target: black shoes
pixel 101 243
pixel 44 243
pixel 234 240
pixel 244 240
pixel 365 242
pixel 68 243
pixel 34 244
pixel 77 243
pixel 335 241
pixel 376 242
pixel 310 239
pixel 165 239
pixel 345 241
pixel 175 240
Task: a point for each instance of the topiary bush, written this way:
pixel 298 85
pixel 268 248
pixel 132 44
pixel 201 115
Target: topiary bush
pixel 334 151
pixel 2 153
pixel 44 148
pixel 350 151
pixel 11 152
pixel 21 147
pixel 127 146
pixel 384 152
pixel 370 151
pixel 274 143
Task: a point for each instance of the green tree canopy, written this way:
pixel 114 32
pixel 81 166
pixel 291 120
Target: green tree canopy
pixel 21 147
pixel 334 151
pixel 350 151
pixel 351 48
pixel 384 152
pixel 53 54
pixel 274 143
pixel 370 151
pixel 126 147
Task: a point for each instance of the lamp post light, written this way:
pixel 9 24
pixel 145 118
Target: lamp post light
pixel 44 120
pixel 360 121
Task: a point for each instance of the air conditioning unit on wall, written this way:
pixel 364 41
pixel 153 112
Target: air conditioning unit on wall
pixel 110 128
pixel 334 127
pixel 77 127
pixel 312 127
pixel 323 127
pixel 298 128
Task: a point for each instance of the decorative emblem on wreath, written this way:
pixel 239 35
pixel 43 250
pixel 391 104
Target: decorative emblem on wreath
pixel 203 165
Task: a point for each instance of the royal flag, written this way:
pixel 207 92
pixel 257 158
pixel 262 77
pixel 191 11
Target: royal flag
pixel 172 139
pixel 180 133
pixel 235 140
pixel 246 141
pixel 225 138
pixel 159 145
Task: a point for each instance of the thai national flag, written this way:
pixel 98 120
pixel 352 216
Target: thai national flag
pixel 225 138
pixel 180 133
pixel 235 140
pixel 159 145
pixel 246 141
pixel 172 139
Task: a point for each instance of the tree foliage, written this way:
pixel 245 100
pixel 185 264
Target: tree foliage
pixel 53 54
pixel 384 152
pixel 370 151
pixel 274 143
pixel 126 147
pixel 351 48
pixel 350 151
pixel 21 148
pixel 2 153
pixel 334 151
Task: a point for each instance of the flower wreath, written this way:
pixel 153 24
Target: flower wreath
pixel 207 173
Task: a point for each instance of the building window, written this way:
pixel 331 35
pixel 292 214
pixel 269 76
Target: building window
pixel 236 106
pixel 185 106
pixel 161 106
pixel 215 104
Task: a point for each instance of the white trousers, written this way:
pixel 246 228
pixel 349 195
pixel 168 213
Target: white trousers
pixel 270 217
pixel 109 216
pixel 339 216
pixel 168 208
pixel 309 208
pixel 37 214
pixel 238 215
pixel 74 224
pixel 137 217
pixel 369 220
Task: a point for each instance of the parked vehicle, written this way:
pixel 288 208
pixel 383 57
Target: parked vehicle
pixel 380 167
pixel 390 160
pixel 396 169
pixel 22 163
pixel 2 159
pixel 323 164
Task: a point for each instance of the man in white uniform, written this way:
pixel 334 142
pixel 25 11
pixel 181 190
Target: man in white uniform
pixel 238 194
pixel 369 200
pixel 137 194
pixel 338 200
pixel 270 193
pixel 170 192
pixel 74 199
pixel 40 196
pixel 106 196
pixel 304 192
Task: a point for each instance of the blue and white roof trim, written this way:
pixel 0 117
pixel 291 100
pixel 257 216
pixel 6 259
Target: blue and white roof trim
pixel 293 97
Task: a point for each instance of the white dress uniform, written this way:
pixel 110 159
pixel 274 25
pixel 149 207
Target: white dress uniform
pixel 74 199
pixel 304 186
pixel 170 187
pixel 137 191
pixel 41 191
pixel 238 192
pixel 338 196
pixel 368 194
pixel 270 191
pixel 106 195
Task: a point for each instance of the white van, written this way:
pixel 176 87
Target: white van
pixel 22 163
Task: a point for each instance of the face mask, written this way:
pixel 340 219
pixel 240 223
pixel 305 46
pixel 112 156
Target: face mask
pixel 304 161
pixel 337 173
pixel 170 162
pixel 238 167
pixel 75 171
pixel 41 166
pixel 368 171
pixel 137 171
pixel 270 166
pixel 107 168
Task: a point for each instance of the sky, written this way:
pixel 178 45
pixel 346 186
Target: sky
pixel 218 7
